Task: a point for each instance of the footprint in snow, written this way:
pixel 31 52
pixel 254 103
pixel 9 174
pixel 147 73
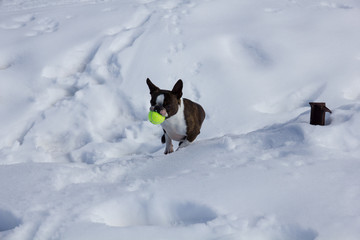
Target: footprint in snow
pixel 43 25
pixel 176 48
pixel 25 18
pixel 272 10
pixel 8 220
pixel 331 5
pixel 195 70
pixel 6 61
pixel 263 227
pixel 10 25
pixel 17 22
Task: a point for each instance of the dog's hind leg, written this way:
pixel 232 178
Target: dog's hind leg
pixel 183 143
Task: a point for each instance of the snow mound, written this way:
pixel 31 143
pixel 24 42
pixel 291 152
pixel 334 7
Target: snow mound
pixel 134 211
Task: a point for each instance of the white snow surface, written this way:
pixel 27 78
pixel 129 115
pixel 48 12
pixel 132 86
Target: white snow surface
pixel 80 160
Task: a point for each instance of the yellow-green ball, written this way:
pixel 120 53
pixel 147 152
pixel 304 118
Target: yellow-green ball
pixel 155 118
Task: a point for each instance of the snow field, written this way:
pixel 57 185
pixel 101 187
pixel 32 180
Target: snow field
pixel 79 159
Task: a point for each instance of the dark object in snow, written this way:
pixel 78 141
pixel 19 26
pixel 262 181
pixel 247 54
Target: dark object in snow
pixel 318 110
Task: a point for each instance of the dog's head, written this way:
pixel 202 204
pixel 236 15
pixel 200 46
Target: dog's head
pixel 165 102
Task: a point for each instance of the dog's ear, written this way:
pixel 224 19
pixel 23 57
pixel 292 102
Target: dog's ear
pixel 177 89
pixel 152 86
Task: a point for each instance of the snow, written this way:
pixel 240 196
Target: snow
pixel 80 160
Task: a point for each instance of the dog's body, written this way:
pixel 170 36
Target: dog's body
pixel 183 118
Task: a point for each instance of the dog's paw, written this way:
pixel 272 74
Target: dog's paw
pixel 183 144
pixel 169 149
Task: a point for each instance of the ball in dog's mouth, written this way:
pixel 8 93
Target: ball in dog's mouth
pixel 155 117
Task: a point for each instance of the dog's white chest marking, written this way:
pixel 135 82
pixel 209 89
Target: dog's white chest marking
pixel 175 126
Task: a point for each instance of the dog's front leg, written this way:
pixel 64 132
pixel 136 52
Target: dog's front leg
pixel 169 147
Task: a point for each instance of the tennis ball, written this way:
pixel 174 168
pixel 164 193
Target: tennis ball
pixel 155 118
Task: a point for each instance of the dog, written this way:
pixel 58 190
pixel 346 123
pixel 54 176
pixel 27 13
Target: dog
pixel 183 118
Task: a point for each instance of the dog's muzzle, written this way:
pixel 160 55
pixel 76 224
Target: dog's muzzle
pixel 159 109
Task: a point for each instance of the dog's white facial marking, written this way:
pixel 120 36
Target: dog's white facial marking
pixel 160 100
